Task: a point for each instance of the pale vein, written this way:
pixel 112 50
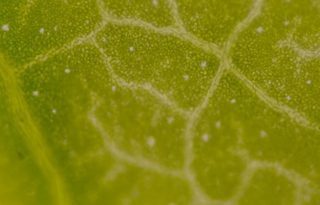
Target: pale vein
pixel 118 153
pixel 302 52
pixel 165 100
pixel 274 104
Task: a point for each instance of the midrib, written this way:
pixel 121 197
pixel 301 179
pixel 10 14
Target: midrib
pixel 19 109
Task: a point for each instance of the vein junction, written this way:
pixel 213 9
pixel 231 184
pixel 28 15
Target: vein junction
pixel 192 117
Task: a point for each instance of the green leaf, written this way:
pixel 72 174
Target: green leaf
pixel 164 102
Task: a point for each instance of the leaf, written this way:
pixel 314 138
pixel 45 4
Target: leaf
pixel 159 102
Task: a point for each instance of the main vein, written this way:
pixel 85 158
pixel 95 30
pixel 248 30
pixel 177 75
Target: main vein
pixel 28 128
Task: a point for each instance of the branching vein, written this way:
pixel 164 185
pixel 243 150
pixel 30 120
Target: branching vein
pixel 118 153
pixel 244 24
pixel 178 31
pixel 277 106
pixel 166 31
pixel 300 51
pixel 304 188
pixel 66 47
pixel 225 63
pixel 175 14
pixel 136 86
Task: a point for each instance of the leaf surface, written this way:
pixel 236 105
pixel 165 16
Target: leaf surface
pixel 163 102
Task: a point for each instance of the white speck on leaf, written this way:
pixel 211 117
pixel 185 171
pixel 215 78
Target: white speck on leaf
pixel 233 101
pixel 205 137
pixel 155 3
pixel 204 64
pixel 260 29
pixel 35 93
pixel 309 82
pixel 186 77
pixel 151 141
pixel 5 27
pixel 218 124
pixel 263 134
pixel 131 49
pixel 67 70
pixel 41 30
pixel 288 98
